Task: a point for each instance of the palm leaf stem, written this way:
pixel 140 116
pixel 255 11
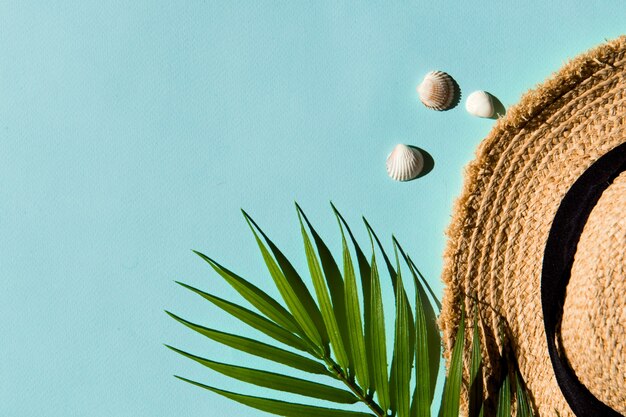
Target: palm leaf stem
pixel 356 390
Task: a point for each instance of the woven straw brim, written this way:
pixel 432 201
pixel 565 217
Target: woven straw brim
pixel 502 220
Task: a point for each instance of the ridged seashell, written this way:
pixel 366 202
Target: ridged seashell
pixel 480 103
pixel 437 91
pixel 404 163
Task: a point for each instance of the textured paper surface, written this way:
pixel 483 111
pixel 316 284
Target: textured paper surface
pixel 131 133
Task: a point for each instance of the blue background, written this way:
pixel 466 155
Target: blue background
pixel 133 132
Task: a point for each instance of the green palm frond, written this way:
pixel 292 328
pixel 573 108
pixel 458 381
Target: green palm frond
pixel 423 394
pixel 256 321
pixel 340 332
pixel 427 338
pixel 280 408
pixel 452 388
pixel 378 346
pixel 403 352
pixel 336 287
pixel 328 313
pixel 275 381
pixel 365 273
pixel 523 404
pixel 476 374
pixel 292 289
pixel 504 399
pixel 255 296
pixel 353 318
pixel 259 349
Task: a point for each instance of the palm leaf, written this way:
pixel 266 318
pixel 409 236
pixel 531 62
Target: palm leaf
pixel 255 296
pixel 291 288
pixel 394 279
pixel 476 375
pixel 365 272
pixel 353 317
pixel 411 341
pixel 275 381
pixel 504 399
pixel 432 328
pixel 321 291
pixel 424 282
pixel 523 404
pixel 280 408
pixel 336 287
pixel 294 280
pixel 452 387
pixel 378 348
pixel 358 342
pixel 422 397
pixel 388 264
pixel 254 320
pixel 402 352
pixel 257 348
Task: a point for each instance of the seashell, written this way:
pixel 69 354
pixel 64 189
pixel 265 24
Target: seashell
pixel 438 91
pixel 480 103
pixel 404 163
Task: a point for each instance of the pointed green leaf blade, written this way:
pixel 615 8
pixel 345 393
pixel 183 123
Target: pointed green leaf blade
pixel 523 404
pixel 392 272
pixel 291 288
pixel 275 381
pixel 394 280
pixel 280 408
pixel 424 282
pixel 393 277
pixel 353 317
pixel 378 348
pixel 452 388
pixel 476 374
pixel 432 329
pixel 504 399
pixel 402 352
pixel 336 288
pixel 328 314
pixel 422 396
pixel 365 273
pixel 254 320
pixel 255 296
pixel 257 348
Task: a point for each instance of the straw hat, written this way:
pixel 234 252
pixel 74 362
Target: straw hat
pixel 542 217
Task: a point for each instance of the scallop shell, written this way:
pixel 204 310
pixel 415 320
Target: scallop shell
pixel 437 91
pixel 404 163
pixel 480 103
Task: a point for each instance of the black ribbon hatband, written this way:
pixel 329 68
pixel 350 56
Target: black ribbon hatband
pixel 558 259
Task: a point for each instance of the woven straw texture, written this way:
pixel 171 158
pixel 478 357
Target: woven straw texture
pixel 501 223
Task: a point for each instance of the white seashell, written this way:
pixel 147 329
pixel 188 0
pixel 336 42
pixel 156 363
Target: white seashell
pixel 480 104
pixel 437 91
pixel 404 163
